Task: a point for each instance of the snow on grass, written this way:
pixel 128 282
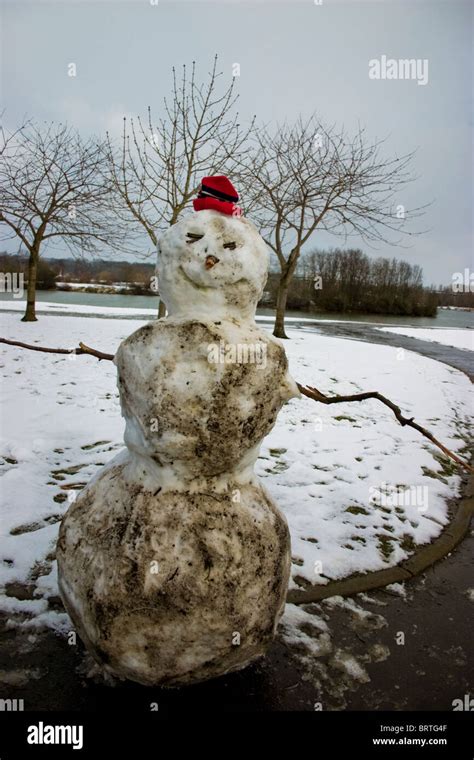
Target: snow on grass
pixel 94 285
pixel 333 469
pixel 48 307
pixel 51 307
pixel 329 468
pixel 461 338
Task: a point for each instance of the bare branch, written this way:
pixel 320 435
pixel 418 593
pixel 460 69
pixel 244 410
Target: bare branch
pixel 308 391
pixel 83 349
pixel 157 168
pixel 316 395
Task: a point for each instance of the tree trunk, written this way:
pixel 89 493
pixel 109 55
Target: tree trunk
pixel 161 309
pixel 30 314
pixel 282 294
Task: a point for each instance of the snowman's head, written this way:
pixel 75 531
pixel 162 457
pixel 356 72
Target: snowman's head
pixel 212 264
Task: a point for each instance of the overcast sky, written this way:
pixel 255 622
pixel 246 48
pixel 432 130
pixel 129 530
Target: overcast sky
pixel 295 58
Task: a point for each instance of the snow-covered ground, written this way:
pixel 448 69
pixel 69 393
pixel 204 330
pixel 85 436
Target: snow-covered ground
pixel 49 307
pixel 457 338
pixel 359 491
pixel 118 286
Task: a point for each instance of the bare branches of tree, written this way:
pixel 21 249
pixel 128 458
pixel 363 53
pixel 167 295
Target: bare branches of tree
pixel 51 189
pixel 303 177
pixel 157 167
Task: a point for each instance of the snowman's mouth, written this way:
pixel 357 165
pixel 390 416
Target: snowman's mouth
pixel 210 286
pixel 195 284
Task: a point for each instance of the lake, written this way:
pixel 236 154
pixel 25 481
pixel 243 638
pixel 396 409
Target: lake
pixel 444 318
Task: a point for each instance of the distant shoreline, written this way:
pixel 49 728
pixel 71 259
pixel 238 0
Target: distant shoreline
pixel 134 289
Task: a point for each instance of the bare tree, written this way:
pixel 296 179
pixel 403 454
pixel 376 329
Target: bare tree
pixel 51 189
pixel 306 176
pixel 157 168
pixel 354 282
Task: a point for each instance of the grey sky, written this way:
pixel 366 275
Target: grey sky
pixel 295 57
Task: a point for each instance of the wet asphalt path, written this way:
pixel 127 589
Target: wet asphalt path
pixel 455 357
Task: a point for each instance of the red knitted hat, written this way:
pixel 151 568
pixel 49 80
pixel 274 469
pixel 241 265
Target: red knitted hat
pixel 219 194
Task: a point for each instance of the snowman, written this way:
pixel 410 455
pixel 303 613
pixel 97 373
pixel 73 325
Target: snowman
pixel 174 561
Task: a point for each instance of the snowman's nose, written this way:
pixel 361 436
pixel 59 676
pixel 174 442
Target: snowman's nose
pixel 211 261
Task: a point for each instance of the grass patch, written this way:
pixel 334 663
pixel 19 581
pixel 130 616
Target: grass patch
pixel 93 445
pixel 385 546
pixel 279 467
pixel 357 510
pixel 407 543
pixel 432 474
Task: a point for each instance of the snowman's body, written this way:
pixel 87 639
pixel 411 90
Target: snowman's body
pixel 173 561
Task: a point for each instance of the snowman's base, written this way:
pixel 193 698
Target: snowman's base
pixel 170 587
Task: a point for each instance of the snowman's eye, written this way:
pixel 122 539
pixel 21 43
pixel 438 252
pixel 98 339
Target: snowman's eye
pixel 193 237
pixel 230 245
